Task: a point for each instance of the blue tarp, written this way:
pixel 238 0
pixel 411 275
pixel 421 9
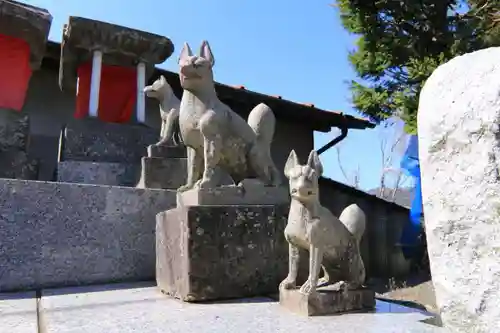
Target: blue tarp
pixel 411 166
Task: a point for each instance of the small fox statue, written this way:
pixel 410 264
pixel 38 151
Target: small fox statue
pixel 215 135
pixel 333 243
pixel 169 111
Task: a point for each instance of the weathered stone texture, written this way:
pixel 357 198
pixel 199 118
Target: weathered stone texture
pixel 97 141
pixel 18 165
pixel 14 130
pixel 165 173
pixel 57 234
pixel 98 173
pixel 327 302
pixel 207 253
pixel 459 146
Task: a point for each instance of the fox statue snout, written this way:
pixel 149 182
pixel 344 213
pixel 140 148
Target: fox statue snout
pixel 303 179
pixel 196 71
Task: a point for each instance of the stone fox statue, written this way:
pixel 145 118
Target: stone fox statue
pixel 333 243
pixel 169 111
pixel 215 135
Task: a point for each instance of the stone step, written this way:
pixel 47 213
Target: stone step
pixel 98 173
pixel 162 173
pixel 59 234
pixel 96 141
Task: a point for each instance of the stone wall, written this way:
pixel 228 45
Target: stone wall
pixel 384 225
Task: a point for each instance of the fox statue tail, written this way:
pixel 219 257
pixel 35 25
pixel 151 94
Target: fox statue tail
pixel 354 219
pixel 262 121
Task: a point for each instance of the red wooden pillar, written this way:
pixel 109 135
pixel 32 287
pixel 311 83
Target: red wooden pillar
pixel 117 93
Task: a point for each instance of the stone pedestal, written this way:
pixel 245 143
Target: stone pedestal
pixel 164 167
pixel 221 252
pixel 327 301
pixel 248 194
pixel 164 173
pixel 167 151
pixel 95 141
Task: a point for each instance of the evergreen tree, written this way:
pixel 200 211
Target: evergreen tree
pixel 400 44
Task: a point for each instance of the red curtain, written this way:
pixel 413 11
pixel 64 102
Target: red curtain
pixel 15 72
pixel 117 93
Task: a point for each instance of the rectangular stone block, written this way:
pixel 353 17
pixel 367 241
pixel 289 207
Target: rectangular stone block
pixel 167 151
pixel 234 195
pixel 16 164
pixel 14 130
pixel 208 252
pixel 59 234
pixel 326 301
pixel 163 173
pixel 18 313
pixel 96 141
pixel 98 173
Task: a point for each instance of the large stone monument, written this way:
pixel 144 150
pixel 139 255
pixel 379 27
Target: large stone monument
pixel 23 36
pixel 459 151
pixel 333 245
pixel 222 241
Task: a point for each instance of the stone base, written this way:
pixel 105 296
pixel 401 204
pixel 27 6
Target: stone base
pixel 93 140
pixel 17 164
pixel 209 253
pixel 234 195
pixel 167 151
pixel 164 173
pixel 327 301
pixel 98 173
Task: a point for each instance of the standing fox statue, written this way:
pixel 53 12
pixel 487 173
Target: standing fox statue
pixel 215 135
pixel 333 243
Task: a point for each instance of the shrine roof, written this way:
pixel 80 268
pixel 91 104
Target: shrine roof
pixel 311 116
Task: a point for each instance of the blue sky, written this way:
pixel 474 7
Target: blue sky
pixel 294 48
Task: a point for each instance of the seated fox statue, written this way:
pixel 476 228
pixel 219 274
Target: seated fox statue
pixel 333 243
pixel 215 135
pixel 169 111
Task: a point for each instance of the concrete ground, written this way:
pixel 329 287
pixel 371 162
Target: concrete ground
pixel 142 308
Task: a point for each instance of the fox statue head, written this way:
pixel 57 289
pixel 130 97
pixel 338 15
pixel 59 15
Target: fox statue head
pixel 160 89
pixel 195 72
pixel 303 179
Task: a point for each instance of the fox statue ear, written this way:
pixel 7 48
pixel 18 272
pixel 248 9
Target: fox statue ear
pixel 185 52
pixel 206 52
pixel 291 163
pixel 314 162
pixel 162 79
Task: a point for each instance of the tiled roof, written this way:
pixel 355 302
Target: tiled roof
pixel 306 113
